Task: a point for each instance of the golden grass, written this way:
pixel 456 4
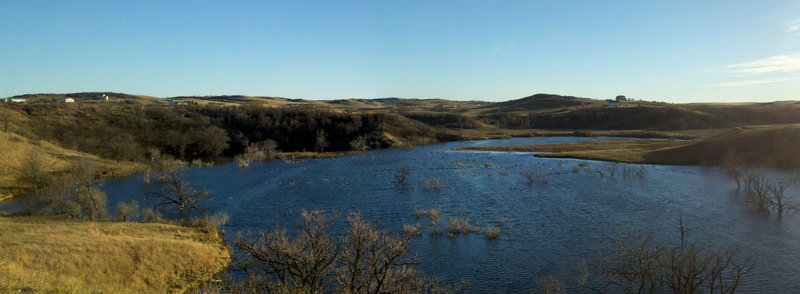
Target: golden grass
pixel 60 255
pixel 620 150
pixel 772 146
pixel 15 151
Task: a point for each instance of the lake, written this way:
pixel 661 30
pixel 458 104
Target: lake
pixel 546 228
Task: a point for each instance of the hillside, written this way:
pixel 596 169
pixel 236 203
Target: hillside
pixel 129 127
pixel 759 146
pixel 39 254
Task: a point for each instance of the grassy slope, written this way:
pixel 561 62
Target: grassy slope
pixel 776 146
pixel 61 255
pixel 632 151
pixel 762 146
pixel 16 151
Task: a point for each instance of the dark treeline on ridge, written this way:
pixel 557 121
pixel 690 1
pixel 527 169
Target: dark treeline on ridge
pixel 125 132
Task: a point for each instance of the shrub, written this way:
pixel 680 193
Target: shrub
pixel 456 226
pixel 126 211
pixel 431 184
pixel 491 232
pixel 412 231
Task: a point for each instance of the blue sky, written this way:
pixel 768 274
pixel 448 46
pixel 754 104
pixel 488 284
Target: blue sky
pixel 674 51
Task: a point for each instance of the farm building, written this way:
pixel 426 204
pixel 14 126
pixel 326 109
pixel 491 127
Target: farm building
pixel 101 97
pixel 66 100
pixel 17 100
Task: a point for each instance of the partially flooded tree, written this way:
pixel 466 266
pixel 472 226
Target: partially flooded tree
pixel 313 260
pixel 638 264
pixel 402 173
pixel 73 193
pixel 179 193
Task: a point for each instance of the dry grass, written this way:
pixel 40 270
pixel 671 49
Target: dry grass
pixel 432 215
pixel 761 146
pixel 491 232
pixel 456 226
pixel 15 150
pixel 412 231
pixel 620 150
pixel 57 255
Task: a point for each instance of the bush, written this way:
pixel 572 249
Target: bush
pixel 364 260
pixel 491 232
pixel 126 211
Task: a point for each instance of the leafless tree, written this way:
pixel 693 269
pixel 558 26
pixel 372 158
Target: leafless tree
pixel 778 200
pixel 638 264
pixel 275 262
pixel 611 169
pixel 176 191
pixel 312 260
pixel 402 173
pixel 321 140
pixel 359 143
pixel 126 210
pixel 535 177
pixel 32 171
pixel 757 190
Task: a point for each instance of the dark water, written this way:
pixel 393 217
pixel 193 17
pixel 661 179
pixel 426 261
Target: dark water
pixel 545 228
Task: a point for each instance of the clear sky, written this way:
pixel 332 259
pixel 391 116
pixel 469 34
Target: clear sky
pixel 674 51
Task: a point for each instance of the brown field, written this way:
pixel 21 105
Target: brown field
pixel 619 150
pixel 39 254
pixel 17 150
pixel 759 146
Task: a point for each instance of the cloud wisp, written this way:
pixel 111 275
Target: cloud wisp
pixel 753 82
pixel 773 69
pixel 774 64
pixel 793 26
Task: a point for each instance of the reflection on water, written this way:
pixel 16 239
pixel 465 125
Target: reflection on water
pixel 545 228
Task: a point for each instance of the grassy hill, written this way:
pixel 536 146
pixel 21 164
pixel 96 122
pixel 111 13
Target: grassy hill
pixel 39 254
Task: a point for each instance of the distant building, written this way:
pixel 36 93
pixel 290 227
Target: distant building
pixel 66 100
pixel 621 98
pixel 443 106
pixel 172 101
pixel 17 100
pixel 611 103
pixel 101 97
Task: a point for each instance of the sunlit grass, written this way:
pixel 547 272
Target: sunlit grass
pixel 61 255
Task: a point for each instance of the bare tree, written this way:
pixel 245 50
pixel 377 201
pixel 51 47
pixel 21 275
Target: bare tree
pixel 321 140
pixel 638 264
pixel 359 143
pixel 535 177
pixel 126 210
pixel 402 173
pixel 6 122
pixel 612 169
pixel 778 200
pixel 275 262
pixel 757 190
pixel 176 191
pixel 32 172
pixel 633 267
pixel 364 260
